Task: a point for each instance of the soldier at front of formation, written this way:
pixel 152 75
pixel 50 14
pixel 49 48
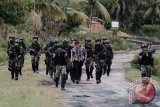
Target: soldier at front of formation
pixel 67 47
pixel 35 53
pixel 60 63
pixel 89 61
pixel 22 44
pixel 109 57
pixel 47 58
pixel 99 51
pixel 15 55
pixel 11 42
pixel 146 60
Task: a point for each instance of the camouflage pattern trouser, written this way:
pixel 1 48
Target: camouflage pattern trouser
pixel 99 69
pixel 60 70
pixel 146 70
pixel 89 67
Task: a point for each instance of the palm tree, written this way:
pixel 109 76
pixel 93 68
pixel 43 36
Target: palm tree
pixel 3 2
pixel 153 8
pixel 118 8
pixel 95 5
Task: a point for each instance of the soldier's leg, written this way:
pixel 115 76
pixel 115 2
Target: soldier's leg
pixel 16 71
pixel 20 71
pixel 57 74
pixel 109 68
pixel 63 78
pixel 37 64
pixel 97 73
pixel 143 70
pixel 91 70
pixel 105 69
pixel 87 72
pixel 149 71
pixel 33 64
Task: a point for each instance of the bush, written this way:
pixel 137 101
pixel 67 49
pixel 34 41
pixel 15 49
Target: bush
pixel 156 68
pixel 3 55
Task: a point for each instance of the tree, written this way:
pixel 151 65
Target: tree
pixel 95 5
pixel 153 9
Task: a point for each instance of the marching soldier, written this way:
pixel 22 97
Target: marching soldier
pixel 89 60
pixel 35 53
pixel 60 63
pixel 10 43
pixel 109 57
pixel 146 61
pixel 22 44
pixel 68 48
pixel 15 55
pixel 99 51
pixel 50 44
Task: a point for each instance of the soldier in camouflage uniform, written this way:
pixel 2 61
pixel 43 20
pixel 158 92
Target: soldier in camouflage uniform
pixel 60 63
pixel 10 43
pixel 22 44
pixel 15 55
pixel 99 51
pixel 89 61
pixel 146 61
pixel 35 53
pixel 109 57
pixel 47 57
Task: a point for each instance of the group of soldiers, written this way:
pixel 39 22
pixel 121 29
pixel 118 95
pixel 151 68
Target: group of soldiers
pixel 63 58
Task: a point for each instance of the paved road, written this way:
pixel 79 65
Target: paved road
pixel 112 92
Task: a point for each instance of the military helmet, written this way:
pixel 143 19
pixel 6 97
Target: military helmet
pixel 35 37
pixel 59 45
pixel 65 41
pixel 144 45
pixel 98 40
pixel 106 42
pixel 56 41
pixel 17 41
pixel 104 38
pixel 11 37
pixel 88 40
pixel 20 38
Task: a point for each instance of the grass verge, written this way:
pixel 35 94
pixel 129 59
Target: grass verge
pixel 31 90
pixel 133 73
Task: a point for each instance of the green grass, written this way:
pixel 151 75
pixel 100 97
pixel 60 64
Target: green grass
pixel 133 73
pixel 31 90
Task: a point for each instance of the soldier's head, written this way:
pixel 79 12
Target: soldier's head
pixel 59 45
pixel 88 41
pixel 98 41
pixel 20 40
pixel 104 39
pixel 106 42
pixel 11 38
pixel 65 42
pixel 17 42
pixel 144 47
pixel 52 41
pixel 35 38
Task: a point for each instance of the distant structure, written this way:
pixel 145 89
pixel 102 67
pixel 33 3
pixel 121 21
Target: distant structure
pixel 96 25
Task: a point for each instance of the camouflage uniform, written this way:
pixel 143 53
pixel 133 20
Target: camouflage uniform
pixel 60 63
pixel 146 61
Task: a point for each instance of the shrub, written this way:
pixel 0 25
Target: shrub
pixel 3 55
